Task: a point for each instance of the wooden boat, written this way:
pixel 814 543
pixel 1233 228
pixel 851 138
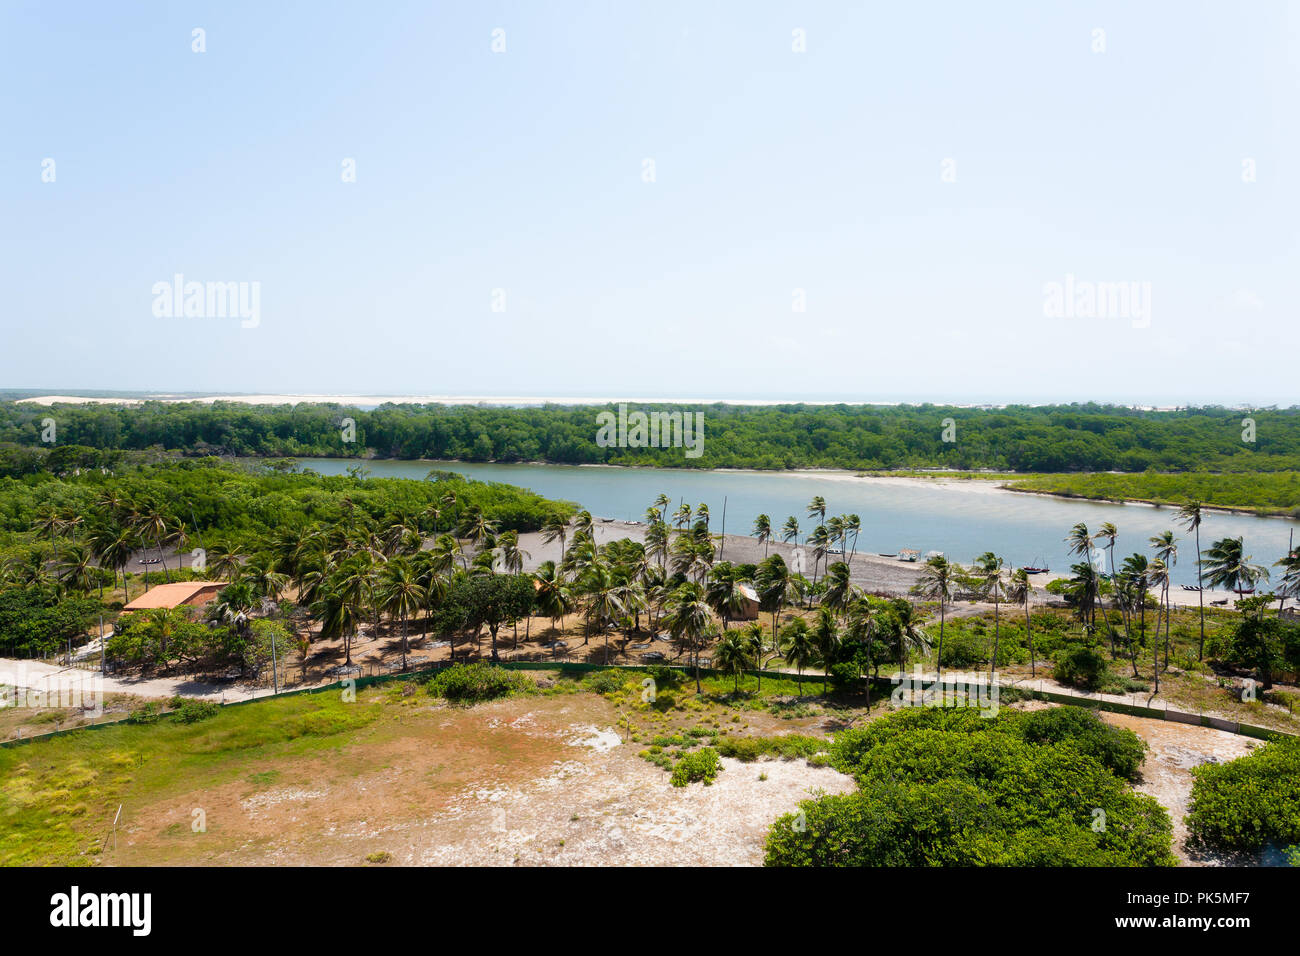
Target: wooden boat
pixel 908 554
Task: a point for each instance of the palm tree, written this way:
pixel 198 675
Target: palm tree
pixel 512 556
pixel 936 584
pixel 988 568
pixel 1110 533
pixel 853 526
pixel 1190 515
pixel 76 569
pixel 401 595
pixel 554 529
pixel 790 531
pixel 153 523
pixel 861 623
pixel 1229 567
pixel 1289 585
pixel 554 599
pixel 682 516
pixel 904 631
pixel 688 621
pixel 1166 549
pixel 840 592
pixel 1021 592
pixel 775 589
pixel 50 521
pixel 763 531
pixel 606 596
pixel 818 507
pixel 1080 542
pixel 225 562
pixel 826 638
pixel 820 541
pixel 1136 583
pixel 662 502
pixel 1159 575
pixel 657 542
pixel 796 644
pixel 113 546
pixel 725 593
pixel 733 655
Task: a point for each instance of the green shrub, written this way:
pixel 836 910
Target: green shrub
pixel 608 681
pixel 786 747
pixel 948 788
pixel 1118 749
pixel 1248 804
pixel 1080 666
pixel 145 714
pixel 702 765
pixel 471 683
pixel 191 711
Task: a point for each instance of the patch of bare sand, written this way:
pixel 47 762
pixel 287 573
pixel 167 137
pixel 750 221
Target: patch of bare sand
pixel 527 781
pixel 1167 773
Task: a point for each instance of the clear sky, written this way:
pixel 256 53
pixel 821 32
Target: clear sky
pixel 774 171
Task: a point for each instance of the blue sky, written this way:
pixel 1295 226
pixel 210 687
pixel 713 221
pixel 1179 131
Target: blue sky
pixel 774 171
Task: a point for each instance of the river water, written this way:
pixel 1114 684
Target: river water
pixel 960 518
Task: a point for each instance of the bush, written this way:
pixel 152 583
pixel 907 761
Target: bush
pixel 472 683
pixel 786 747
pixel 1081 666
pixel 948 788
pixel 145 714
pixel 190 711
pixel 1248 804
pixel 702 765
pixel 1119 750
pixel 608 681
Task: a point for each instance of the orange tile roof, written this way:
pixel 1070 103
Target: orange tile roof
pixel 169 595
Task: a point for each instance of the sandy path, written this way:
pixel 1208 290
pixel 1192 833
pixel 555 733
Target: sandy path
pixel 1167 774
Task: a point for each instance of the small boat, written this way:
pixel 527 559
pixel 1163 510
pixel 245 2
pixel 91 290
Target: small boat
pixel 1190 587
pixel 933 554
pixel 883 555
pixel 908 554
pixel 1029 569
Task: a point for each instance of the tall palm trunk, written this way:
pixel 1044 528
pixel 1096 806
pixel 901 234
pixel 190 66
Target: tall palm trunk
pixel 1200 594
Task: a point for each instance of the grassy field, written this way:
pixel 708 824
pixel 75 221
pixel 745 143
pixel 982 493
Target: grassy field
pixel 313 778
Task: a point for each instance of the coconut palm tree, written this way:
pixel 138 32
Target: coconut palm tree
pixel 775 590
pixel 1289 585
pixel 1081 544
pixel 936 584
pixel 510 554
pixel 820 540
pixel 1227 566
pixel 853 526
pixel 733 655
pixel 763 531
pixel 753 635
pixel 1190 515
pixel 904 631
pixel 840 592
pixel 797 647
pixel 1109 533
pixel 817 507
pixel 790 531
pixel 688 621
pixel 657 541
pixel 225 561
pixel 725 593
pixel 555 528
pixel 113 546
pixel 401 595
pixel 77 569
pixel 826 637
pixel 682 516
pixel 988 568
pixel 861 627
pixel 554 599
pixel 1135 582
pixel 152 523
pixel 1166 549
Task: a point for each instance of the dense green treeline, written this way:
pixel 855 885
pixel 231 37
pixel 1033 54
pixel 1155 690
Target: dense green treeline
pixel 1064 438
pixel 1268 493
pixel 207 495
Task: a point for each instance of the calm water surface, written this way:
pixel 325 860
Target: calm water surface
pixel 960 518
